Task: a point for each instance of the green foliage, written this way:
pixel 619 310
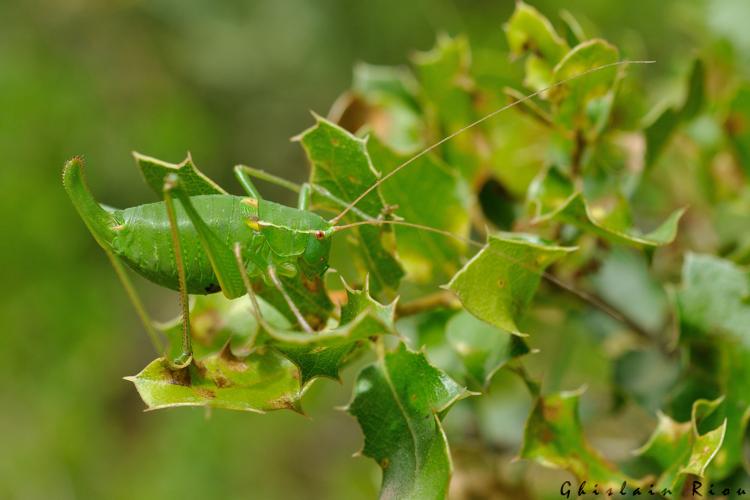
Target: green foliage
pixel 663 126
pixel 679 449
pixel 497 285
pixel 341 164
pixel 554 437
pixel 553 197
pixel 399 401
pixel 713 298
pixel 483 349
pixel 569 288
pixel 194 181
pixel 427 257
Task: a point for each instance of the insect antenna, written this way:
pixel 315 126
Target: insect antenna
pixel 584 296
pixel 471 125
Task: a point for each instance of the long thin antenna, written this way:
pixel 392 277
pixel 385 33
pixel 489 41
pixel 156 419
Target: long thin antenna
pixel 586 297
pixel 447 138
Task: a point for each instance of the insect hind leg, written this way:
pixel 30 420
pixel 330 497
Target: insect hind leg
pixel 219 253
pixel 186 356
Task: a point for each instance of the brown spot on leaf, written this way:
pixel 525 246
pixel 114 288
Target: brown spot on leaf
pixel 222 382
pixel 315 322
pixel 547 435
pixel 179 377
pixel 735 124
pixel 282 404
pixel 551 412
pixel 231 361
pixel 205 393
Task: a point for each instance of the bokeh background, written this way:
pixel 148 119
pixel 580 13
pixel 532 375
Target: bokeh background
pixel 231 82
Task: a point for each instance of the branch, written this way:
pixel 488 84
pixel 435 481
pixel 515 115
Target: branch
pixel 441 299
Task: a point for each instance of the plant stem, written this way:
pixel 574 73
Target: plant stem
pixel 441 299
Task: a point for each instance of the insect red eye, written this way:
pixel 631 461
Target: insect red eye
pixel 319 234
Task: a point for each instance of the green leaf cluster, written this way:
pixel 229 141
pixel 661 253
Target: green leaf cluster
pixel 553 244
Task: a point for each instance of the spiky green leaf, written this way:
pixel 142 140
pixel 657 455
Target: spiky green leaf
pixel 398 402
pixel 428 257
pixel 192 180
pixel 260 382
pixel 553 197
pixel 554 438
pixel 680 449
pixel 498 283
pixel 341 165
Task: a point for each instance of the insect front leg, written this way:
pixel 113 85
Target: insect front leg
pixel 295 310
pixel 248 285
pixel 276 282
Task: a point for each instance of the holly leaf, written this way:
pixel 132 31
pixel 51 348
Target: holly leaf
pixel 192 180
pixel 679 448
pixel 498 283
pixel 585 103
pixel 660 129
pixel 712 303
pixel 428 257
pixel 554 438
pixel 447 88
pixel 393 112
pixel 529 32
pixel 552 196
pixel 572 29
pixel 260 382
pixel 341 165
pixel 713 299
pixel 734 380
pixel 399 401
pixel 217 322
pixel 482 348
pixel 323 354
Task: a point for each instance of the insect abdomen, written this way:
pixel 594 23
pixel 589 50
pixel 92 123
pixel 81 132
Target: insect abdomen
pixel 144 241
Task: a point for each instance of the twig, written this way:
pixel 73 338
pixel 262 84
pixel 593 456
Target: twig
pixel 443 298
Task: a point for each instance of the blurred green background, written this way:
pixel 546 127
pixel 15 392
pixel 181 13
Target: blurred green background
pixel 231 82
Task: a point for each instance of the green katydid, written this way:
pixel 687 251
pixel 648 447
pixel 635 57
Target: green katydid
pixel 201 240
